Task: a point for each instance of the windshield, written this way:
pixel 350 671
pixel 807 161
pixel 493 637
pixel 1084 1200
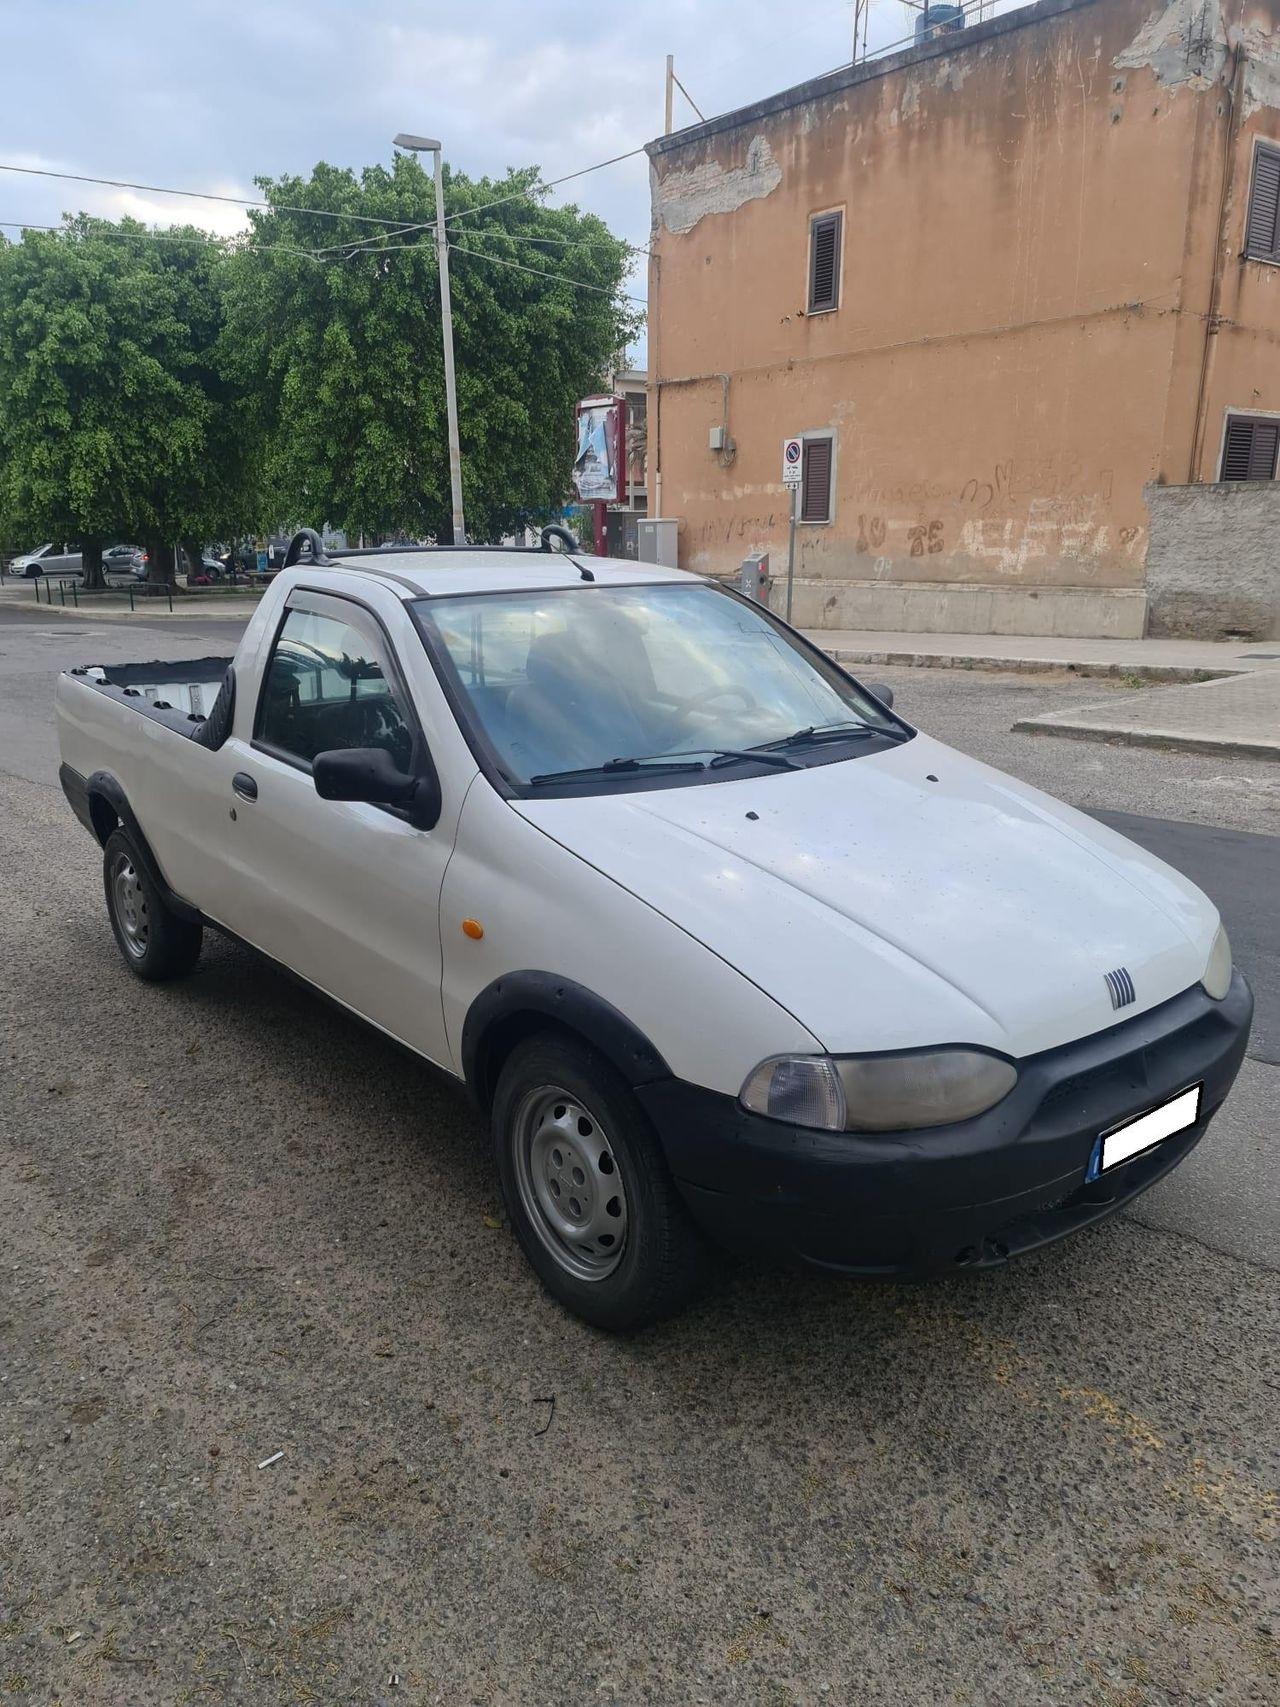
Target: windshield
pixel 576 678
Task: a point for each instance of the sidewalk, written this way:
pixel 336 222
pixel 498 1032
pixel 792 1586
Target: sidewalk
pixel 1145 660
pixel 1227 700
pixel 114 605
pixel 1238 716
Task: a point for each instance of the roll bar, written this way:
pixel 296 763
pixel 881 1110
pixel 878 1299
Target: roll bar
pixel 308 542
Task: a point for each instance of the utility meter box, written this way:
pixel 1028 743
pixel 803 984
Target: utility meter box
pixel 656 541
pixel 753 577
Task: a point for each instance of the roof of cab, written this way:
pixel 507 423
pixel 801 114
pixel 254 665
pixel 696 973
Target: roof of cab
pixel 430 574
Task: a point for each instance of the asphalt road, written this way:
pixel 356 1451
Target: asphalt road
pixel 234 1224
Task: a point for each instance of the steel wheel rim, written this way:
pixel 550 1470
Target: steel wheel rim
pixel 130 904
pixel 569 1182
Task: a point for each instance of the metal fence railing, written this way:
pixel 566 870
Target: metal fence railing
pixel 135 590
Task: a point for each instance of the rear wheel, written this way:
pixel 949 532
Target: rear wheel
pixel 589 1192
pixel 155 942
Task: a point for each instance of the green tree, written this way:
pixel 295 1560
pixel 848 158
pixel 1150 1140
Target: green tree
pixel 346 350
pixel 116 418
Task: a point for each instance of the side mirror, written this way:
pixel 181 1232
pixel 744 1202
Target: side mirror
pixel 372 775
pixel 882 691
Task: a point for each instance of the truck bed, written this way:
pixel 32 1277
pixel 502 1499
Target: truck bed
pixel 180 694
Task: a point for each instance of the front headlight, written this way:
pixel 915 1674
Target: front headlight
pixel 878 1093
pixel 1217 974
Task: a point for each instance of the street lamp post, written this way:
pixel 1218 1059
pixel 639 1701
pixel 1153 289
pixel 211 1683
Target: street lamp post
pixel 417 145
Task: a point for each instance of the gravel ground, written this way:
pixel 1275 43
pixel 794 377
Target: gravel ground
pixel 234 1224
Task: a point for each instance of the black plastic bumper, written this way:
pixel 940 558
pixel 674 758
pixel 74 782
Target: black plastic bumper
pixel 968 1195
pixel 76 790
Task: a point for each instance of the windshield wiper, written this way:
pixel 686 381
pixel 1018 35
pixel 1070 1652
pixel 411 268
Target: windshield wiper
pixel 687 760
pixel 833 732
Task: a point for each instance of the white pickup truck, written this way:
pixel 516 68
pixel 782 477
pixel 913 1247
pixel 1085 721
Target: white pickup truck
pixel 726 951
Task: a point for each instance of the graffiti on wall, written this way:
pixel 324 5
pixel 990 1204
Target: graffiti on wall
pixel 1001 519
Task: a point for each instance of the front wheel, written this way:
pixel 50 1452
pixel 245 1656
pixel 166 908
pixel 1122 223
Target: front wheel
pixel 590 1195
pixel 155 942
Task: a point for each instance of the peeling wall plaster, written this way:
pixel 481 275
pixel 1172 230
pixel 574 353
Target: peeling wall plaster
pixel 1184 44
pixel 682 198
pixel 1261 70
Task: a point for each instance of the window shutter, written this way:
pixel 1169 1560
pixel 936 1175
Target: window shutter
pixel 815 490
pixel 1262 227
pixel 1249 452
pixel 824 262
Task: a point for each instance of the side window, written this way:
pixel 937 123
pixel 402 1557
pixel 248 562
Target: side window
pixel 825 232
pixel 328 685
pixel 1262 223
pixel 1249 449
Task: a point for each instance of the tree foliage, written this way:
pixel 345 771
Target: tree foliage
pixel 117 416
pixel 168 386
pixel 344 354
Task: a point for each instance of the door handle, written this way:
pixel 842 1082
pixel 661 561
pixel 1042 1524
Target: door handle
pixel 244 785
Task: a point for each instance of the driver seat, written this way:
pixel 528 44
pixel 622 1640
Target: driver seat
pixel 568 712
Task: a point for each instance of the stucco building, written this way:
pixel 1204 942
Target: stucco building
pixel 1002 283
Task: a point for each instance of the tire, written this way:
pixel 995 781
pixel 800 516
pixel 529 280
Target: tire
pixel 615 1244
pixel 155 943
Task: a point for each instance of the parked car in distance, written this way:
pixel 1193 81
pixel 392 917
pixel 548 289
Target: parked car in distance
pixel 725 950
pixel 46 559
pixel 116 559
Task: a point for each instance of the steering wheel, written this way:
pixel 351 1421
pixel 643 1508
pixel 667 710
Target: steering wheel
pixel 696 701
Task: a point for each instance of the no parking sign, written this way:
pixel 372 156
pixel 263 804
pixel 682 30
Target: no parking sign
pixel 792 460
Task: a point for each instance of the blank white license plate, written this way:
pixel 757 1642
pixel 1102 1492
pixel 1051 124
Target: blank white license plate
pixel 1150 1128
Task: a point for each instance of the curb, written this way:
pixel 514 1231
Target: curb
pixel 86 613
pixel 1036 666
pixel 1168 740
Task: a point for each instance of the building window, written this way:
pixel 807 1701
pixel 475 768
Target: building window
pixel 1262 226
pixel 1249 448
pixel 824 262
pixel 815 483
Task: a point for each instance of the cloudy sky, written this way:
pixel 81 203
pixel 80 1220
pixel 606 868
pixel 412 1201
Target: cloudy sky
pixel 204 96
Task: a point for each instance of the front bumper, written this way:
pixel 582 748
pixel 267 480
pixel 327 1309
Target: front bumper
pixel 964 1196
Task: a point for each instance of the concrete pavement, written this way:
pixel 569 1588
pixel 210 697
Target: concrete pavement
pixel 1237 716
pixel 1138 660
pixel 1228 700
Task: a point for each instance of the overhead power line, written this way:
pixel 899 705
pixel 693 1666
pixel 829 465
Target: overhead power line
pixel 206 240
pixel 390 246
pixel 392 225
pixel 374 244
pixel 322 260
pixel 541 272
pixel 203 195
pixel 529 193
pixel 547 184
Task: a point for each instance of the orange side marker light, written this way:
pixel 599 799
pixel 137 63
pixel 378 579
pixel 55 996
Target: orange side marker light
pixel 472 928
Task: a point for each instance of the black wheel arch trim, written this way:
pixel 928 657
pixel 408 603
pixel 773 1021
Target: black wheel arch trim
pixel 498 1012
pixel 102 786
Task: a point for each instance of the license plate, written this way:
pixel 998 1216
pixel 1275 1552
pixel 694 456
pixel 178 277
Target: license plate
pixel 1145 1131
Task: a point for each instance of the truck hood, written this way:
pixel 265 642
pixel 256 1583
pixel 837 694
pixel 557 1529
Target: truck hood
pixel 908 897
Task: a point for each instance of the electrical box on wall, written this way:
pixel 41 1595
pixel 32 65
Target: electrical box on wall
pixel 656 540
pixel 716 439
